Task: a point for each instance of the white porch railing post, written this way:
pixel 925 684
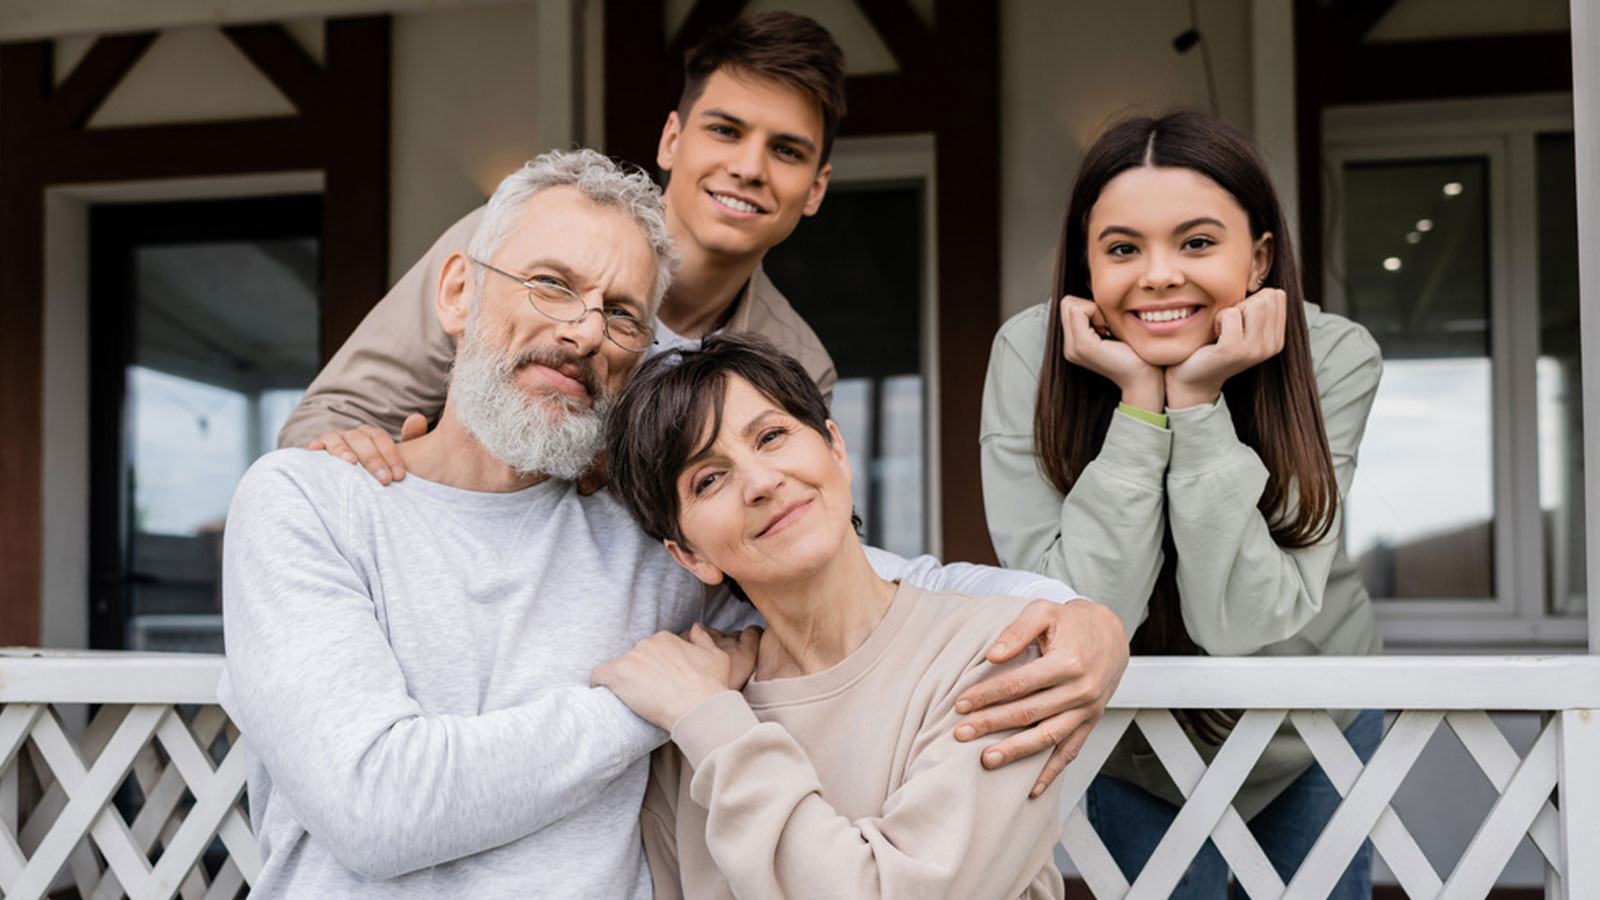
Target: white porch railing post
pixel 1578 762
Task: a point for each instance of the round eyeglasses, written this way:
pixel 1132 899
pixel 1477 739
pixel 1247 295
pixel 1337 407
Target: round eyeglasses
pixel 555 300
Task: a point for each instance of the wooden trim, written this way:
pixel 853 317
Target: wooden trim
pixel 641 81
pixel 965 94
pixel 23 89
pixel 342 128
pixel 285 63
pixel 1349 21
pixel 702 16
pixel 184 149
pixel 355 211
pixel 88 85
pixel 1392 71
pixel 21 406
pixel 902 31
pixel 889 104
pixel 1308 74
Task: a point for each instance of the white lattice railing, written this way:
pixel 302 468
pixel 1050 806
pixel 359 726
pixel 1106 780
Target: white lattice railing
pixel 1425 691
pixel 145 800
pixel 134 804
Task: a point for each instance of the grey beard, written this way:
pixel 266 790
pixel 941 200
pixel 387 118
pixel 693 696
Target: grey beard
pixel 551 435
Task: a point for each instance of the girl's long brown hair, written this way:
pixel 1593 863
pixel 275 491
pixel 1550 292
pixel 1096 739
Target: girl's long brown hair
pixel 1274 404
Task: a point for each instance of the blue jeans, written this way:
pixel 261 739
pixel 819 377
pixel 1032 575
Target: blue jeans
pixel 1132 821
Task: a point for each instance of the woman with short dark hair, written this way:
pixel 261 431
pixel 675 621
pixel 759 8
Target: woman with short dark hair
pixel 835 772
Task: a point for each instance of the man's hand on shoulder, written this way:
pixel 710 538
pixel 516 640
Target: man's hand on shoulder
pixel 1084 650
pixel 371 447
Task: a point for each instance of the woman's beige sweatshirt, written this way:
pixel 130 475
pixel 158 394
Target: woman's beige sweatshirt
pixel 850 783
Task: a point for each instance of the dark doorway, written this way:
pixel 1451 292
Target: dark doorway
pixel 855 272
pixel 204 333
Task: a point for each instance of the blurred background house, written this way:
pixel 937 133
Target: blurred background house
pixel 199 201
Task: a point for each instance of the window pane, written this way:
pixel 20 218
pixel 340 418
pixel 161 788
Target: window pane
pixel 227 340
pixel 1560 375
pixel 1419 516
pixel 899 470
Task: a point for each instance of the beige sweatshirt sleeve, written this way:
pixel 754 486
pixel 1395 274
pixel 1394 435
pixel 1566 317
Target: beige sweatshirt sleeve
pixel 394 363
pixel 1241 591
pixel 949 830
pixel 1103 538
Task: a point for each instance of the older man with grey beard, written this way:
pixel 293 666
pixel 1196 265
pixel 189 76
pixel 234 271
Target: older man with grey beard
pixel 410 664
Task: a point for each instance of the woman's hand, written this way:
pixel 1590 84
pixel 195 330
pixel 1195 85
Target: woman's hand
pixel 1086 341
pixel 1247 334
pixel 741 649
pixel 665 676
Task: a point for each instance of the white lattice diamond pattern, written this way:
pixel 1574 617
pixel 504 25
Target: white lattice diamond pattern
pixel 1523 807
pixel 57 809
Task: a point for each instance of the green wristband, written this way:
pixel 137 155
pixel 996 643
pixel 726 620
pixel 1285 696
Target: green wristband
pixel 1159 420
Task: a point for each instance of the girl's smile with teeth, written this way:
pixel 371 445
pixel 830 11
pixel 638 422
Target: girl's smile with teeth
pixel 1167 315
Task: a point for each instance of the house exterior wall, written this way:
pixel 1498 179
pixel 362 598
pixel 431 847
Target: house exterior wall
pixel 465 114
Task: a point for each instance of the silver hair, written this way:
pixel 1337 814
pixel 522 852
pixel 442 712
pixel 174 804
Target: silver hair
pixel 596 177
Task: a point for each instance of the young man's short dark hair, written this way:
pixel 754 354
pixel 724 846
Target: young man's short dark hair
pixel 788 48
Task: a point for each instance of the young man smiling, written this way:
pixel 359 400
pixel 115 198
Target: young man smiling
pixel 747 152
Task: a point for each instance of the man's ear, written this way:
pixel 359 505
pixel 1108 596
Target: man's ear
pixel 1261 258
pixel 697 567
pixel 453 304
pixel 819 189
pixel 667 149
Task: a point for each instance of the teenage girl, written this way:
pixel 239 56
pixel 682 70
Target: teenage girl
pixel 1173 435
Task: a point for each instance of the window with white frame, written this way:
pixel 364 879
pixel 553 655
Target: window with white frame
pixel 1453 239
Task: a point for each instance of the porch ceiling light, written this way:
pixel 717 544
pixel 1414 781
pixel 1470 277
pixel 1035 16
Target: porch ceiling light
pixel 1427 224
pixel 1452 188
pixel 1392 263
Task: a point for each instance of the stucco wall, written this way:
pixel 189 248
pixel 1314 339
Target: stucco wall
pixel 465 113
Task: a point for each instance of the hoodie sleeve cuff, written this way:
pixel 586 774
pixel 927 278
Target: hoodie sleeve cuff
pixel 1203 439
pixel 714 722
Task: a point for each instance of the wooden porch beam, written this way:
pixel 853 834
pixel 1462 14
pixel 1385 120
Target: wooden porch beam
pixel 355 158
pixel 702 17
pixel 95 77
pixel 640 81
pixel 285 63
pixel 1392 71
pixel 1347 22
pixel 24 86
pixel 185 149
pixel 889 104
pixel 902 31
